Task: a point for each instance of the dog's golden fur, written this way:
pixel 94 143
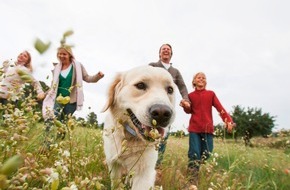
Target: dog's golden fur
pixel 148 92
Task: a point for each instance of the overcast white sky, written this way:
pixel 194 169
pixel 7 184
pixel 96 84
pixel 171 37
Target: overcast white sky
pixel 243 46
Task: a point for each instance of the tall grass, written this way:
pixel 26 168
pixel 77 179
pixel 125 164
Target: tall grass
pixel 78 161
pixel 231 166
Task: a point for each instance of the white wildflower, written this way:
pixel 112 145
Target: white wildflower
pixel 53 176
pixel 73 187
pixel 66 153
pixel 65 168
pixel 58 163
pixel 17 112
pixel 13 96
pixel 7 116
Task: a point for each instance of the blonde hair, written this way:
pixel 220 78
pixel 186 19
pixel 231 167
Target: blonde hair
pixel 194 78
pixel 67 49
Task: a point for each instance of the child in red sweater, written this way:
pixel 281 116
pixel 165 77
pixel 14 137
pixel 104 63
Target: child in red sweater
pixel 201 126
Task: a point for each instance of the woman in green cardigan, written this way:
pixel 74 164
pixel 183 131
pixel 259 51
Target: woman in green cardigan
pixel 66 93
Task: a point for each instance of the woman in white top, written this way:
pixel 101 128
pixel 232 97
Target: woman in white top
pixel 15 75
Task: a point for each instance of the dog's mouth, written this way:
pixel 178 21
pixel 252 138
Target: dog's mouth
pixel 150 133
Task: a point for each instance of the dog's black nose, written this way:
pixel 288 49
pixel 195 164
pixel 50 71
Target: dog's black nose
pixel 161 113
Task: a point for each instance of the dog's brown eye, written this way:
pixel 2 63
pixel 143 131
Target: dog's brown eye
pixel 141 86
pixel 169 90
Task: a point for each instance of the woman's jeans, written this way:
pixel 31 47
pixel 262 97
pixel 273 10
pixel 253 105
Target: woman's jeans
pixel 200 147
pixel 161 150
pixel 62 111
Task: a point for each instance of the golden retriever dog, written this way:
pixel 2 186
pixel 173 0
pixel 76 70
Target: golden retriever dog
pixel 141 105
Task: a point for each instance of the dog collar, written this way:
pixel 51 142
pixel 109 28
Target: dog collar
pixel 133 132
pixel 130 130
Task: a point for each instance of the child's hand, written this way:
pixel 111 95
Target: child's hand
pixel 185 104
pixel 230 127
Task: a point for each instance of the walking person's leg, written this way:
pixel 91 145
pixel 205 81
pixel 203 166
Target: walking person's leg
pixel 194 156
pixel 68 109
pixel 206 146
pixel 161 151
pixel 194 152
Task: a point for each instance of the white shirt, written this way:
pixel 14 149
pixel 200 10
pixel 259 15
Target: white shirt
pixel 166 65
pixel 66 71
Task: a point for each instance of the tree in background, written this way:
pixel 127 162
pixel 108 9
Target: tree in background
pixel 252 122
pixel 92 120
pixel 178 133
pixel 82 121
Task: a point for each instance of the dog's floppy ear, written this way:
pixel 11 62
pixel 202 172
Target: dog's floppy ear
pixel 114 89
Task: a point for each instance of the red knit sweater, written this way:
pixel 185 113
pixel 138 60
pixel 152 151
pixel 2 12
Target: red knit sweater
pixel 201 120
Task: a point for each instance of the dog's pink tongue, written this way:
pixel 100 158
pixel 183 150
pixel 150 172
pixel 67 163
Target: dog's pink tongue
pixel 147 128
pixel 161 131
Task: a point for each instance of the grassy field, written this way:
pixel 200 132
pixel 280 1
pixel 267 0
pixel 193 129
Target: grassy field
pixel 77 161
pixel 232 166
